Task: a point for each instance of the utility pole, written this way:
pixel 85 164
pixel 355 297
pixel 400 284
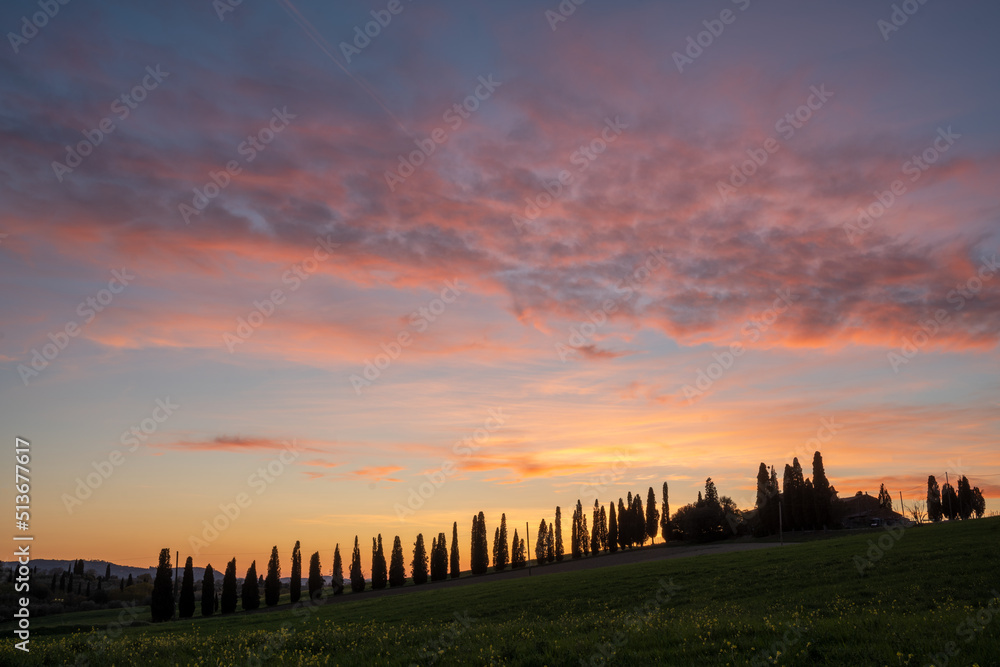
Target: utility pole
pixel 902 507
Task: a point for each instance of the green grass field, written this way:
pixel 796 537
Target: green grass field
pixel 932 592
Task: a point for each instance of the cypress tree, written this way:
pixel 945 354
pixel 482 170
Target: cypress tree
pixel 379 572
pixel 162 602
pixel 574 539
pixel 315 581
pixel 337 576
pixel 480 553
pixel 208 592
pixel 516 554
pixel 272 585
pixel 227 604
pixel 652 516
pixel 612 530
pixel 595 530
pixel 965 498
pixel 821 491
pixel 295 584
pixel 665 516
pixel 949 501
pixel 357 578
pixel 129 582
pixel 474 544
pixel 107 572
pixel 439 558
pixel 550 549
pixel 934 512
pixel 603 518
pixel 560 551
pixel 185 606
pixel 455 566
pixel 250 593
pixel 502 558
pixel 418 567
pixel 884 498
pixel 397 569
pixel 639 521
pixel 540 550
pixel 622 526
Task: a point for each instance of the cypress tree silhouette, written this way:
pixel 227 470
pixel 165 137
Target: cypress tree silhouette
pixel 481 554
pixel 379 570
pixel 502 557
pixel 821 492
pixel 622 526
pixel 965 498
pixel 560 551
pixel 934 512
pixel 884 498
pixel 250 593
pixel 315 581
pixel 208 591
pixel 185 606
pixel 541 552
pixel 272 585
pixel 357 578
pixel 227 604
pixel 456 569
pixel 439 559
pixel 612 530
pixel 652 516
pixel 107 572
pixel 595 530
pixel 337 577
pixel 574 537
pixel 584 536
pixel 949 501
pixel 295 583
pixel 550 548
pixel 397 568
pixel 516 552
pixel 603 518
pixel 418 566
pixel 162 601
pixel 129 582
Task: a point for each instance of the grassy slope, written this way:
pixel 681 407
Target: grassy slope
pixel 725 609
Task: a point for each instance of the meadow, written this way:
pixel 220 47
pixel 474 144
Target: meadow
pixel 927 595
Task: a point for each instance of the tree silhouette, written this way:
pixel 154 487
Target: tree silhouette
pixel 652 516
pixel 337 576
pixel 516 552
pixel 595 530
pixel 456 568
pixel 612 530
pixel 550 548
pixel 978 502
pixel 623 526
pixel 439 558
pixel 502 557
pixel 949 501
pixel 418 567
pixel 162 601
pixel 227 604
pixel 639 522
pixel 295 584
pixel 208 591
pixel 129 582
pixel 560 551
pixel 357 578
pixel 185 606
pixel 397 569
pixel 480 548
pixel 315 581
pixel 884 499
pixel 250 593
pixel 272 584
pixel 574 539
pixel 665 516
pixel 965 498
pixel 543 537
pixel 934 512
pixel 379 570
pixel 822 493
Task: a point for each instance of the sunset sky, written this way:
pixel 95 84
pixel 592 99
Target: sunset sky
pixel 554 229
